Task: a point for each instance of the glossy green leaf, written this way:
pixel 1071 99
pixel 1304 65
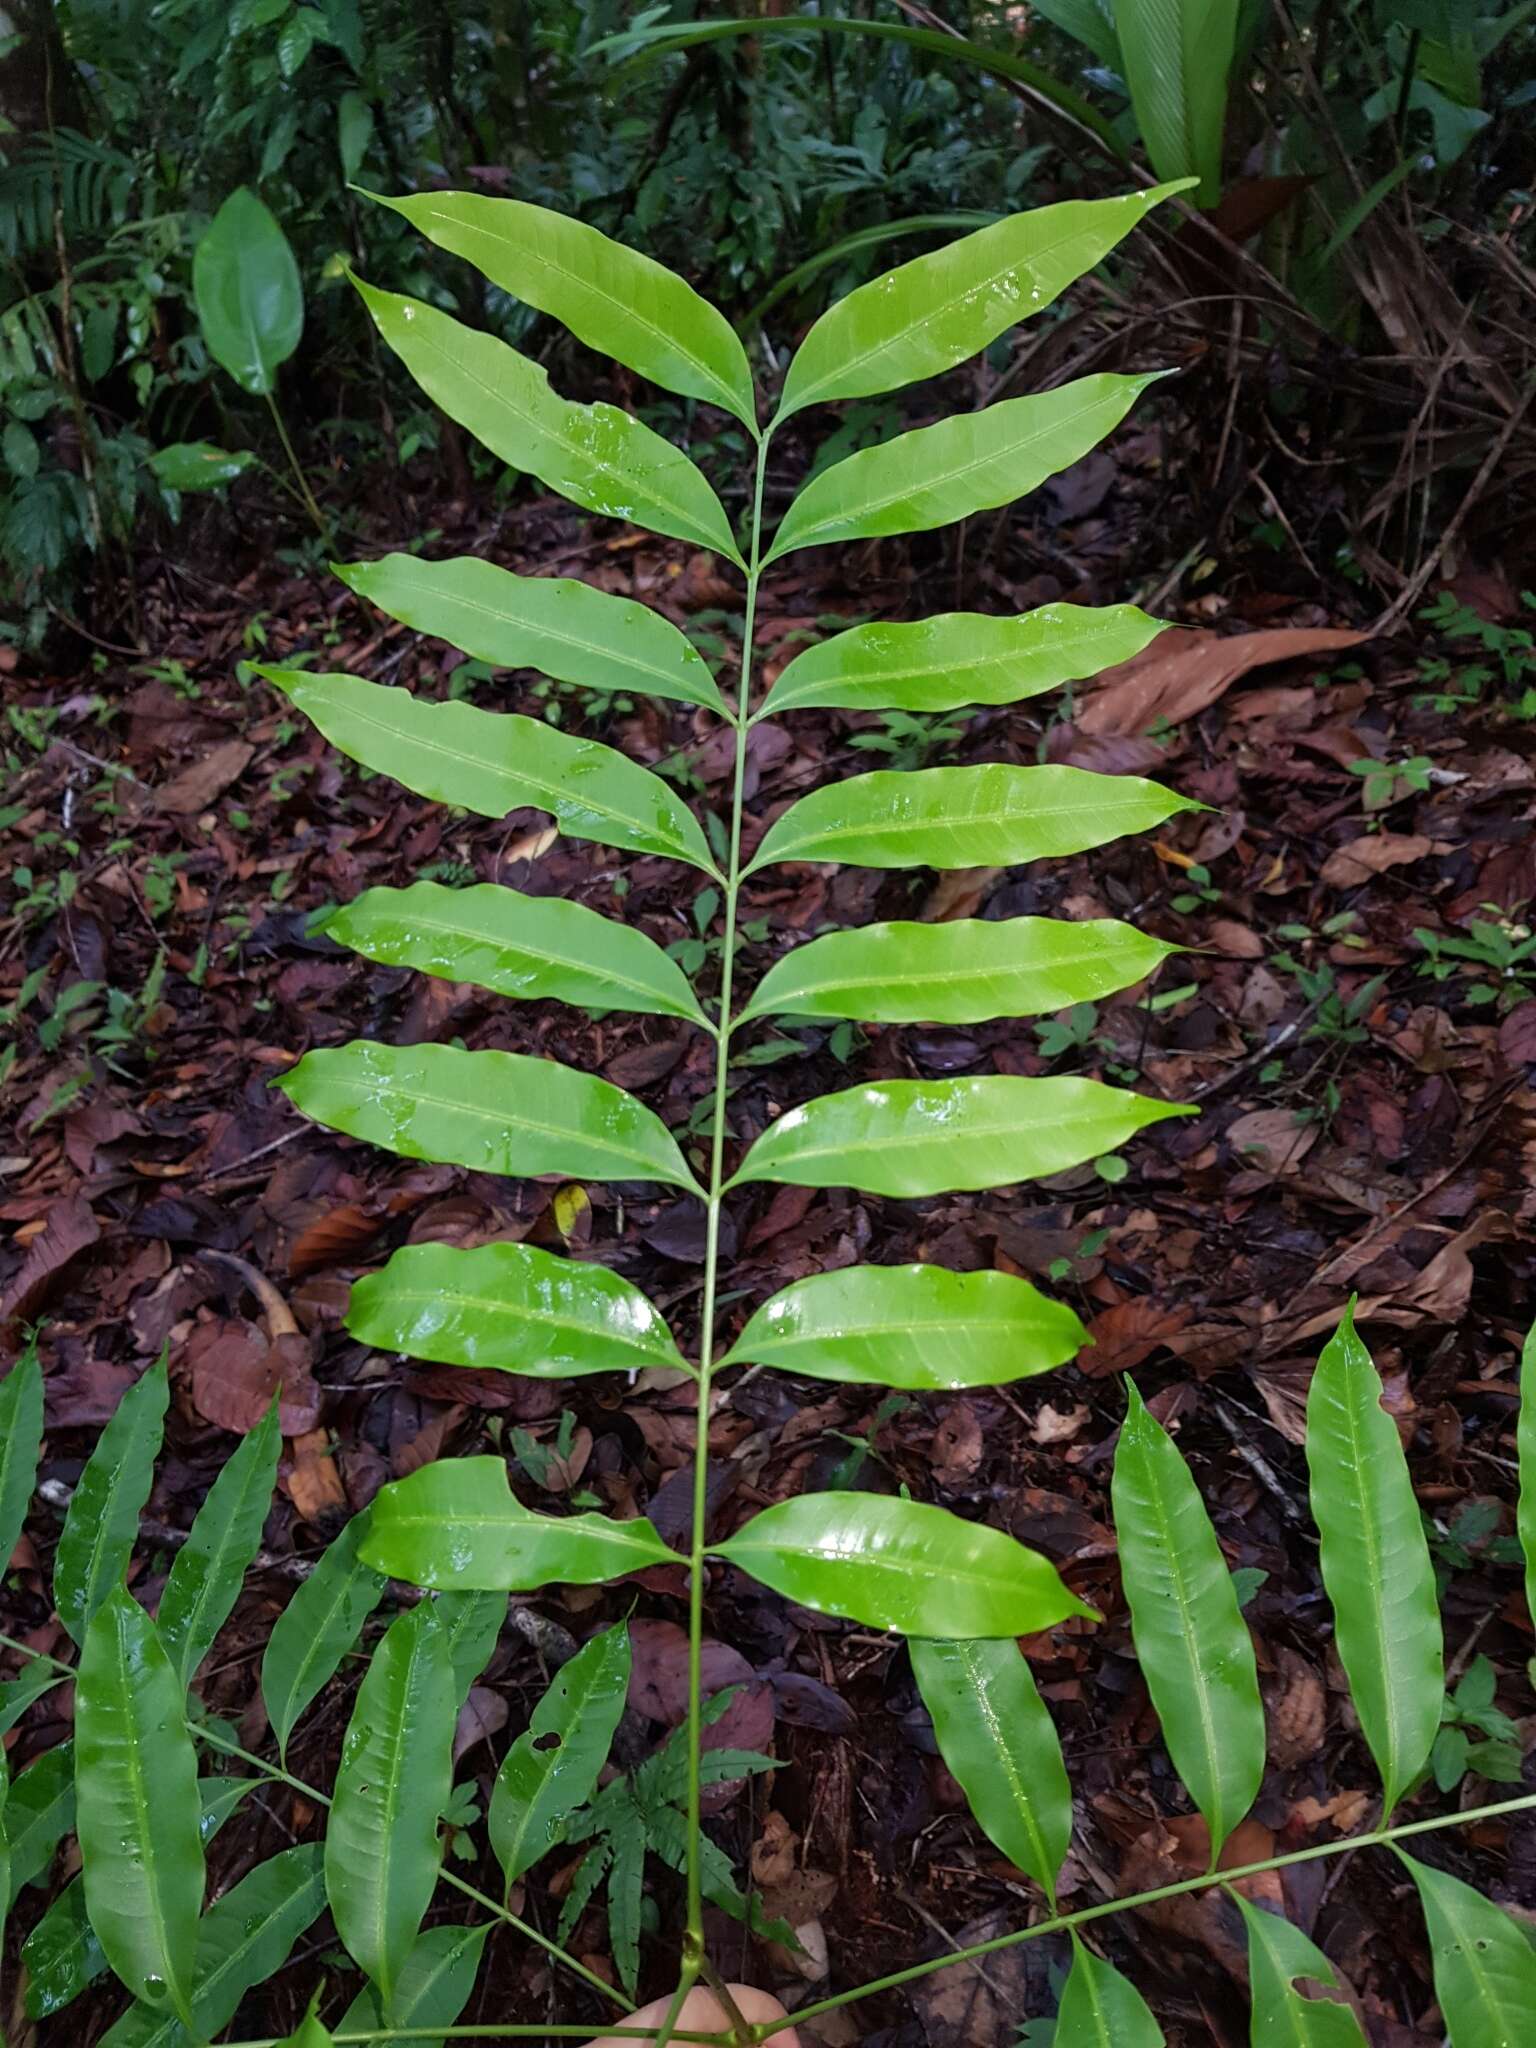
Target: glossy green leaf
pixel 435 1982
pixel 494 1112
pixel 911 1138
pixel 456 1525
pixel 141 1850
pixel 1525 1441
pixel 317 1628
pixel 21 1440
pixel 1279 1956
pixel 471 1625
pixel 39 1813
pixel 395 1774
pixel 963 972
pixel 311 2032
pixel 1176 56
pixel 595 455
pixel 1375 1562
pixel 898 1565
pixel 995 815
pixel 243 1939
pixel 1000 1744
pixel 1192 1643
pixel 493 762
pixel 553 624
pixel 930 314
pixel 932 476
pixel 512 1307
pixel 5 1853
pixel 956 659
pixel 552 1768
pixel 611 297
pixel 923 1328
pixel 210 1567
pixel 245 283
pixel 1102 2009
pixel 198 465
pixel 103 1517
pixel 1484 1963
pixel 530 947
pixel 17 1694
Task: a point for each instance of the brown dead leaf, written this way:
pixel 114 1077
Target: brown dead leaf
pixel 314 1485
pixel 1272 1140
pixel 1183 673
pixel 1372 854
pixel 483 1715
pixel 1297 1707
pixel 957 1446
pixel 1128 1333
pixel 196 787
pixel 235 1370
pixel 66 1229
pixel 333 1238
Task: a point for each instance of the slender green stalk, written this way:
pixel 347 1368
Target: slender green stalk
pixel 322 525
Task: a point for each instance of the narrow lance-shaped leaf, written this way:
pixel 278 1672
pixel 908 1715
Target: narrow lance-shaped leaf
pixel 456 1525
pixel 199 465
pixel 1192 1643
pixel 17 1694
pixel 529 947
pixel 1102 2009
pixel 1375 1562
pixel 5 1853
pixel 492 762
pixel 957 659
pixel 395 1774
pixel 898 1565
pixel 511 1307
pixel 1525 1438
pixel 595 455
pixel 991 816
pixel 317 1628
pixel 963 972
pixel 969 463
pixel 1279 1956
pixel 471 1625
pixel 210 1567
pixel 1176 62
pixel 926 316
pixel 1484 1964
pixel 21 1438
pixel 39 1813
pixel 919 1327
pixel 626 1882
pixel 554 624
pixel 611 297
pixel 552 1768
pixel 998 1740
pixel 141 1850
pixel 494 1112
pixel 912 1138
pixel 109 1497
pixel 435 1983
pixel 250 302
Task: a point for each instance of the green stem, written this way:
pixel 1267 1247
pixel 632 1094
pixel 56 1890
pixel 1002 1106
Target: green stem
pixel 322 525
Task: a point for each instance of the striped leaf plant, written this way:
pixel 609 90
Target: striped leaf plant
pixel 441 1550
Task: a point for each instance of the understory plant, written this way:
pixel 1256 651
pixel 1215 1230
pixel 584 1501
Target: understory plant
pixel 452 1537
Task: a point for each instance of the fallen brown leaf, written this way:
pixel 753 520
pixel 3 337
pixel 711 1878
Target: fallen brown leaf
pixel 1371 854
pixel 1183 673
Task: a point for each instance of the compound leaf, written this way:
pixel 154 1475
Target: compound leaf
pixel 553 1766
pixel 317 1628
pixel 998 1740
pixel 923 1328
pixel 1192 1643
pixel 1484 1964
pixel 898 1565
pixel 1375 1562
pixel 494 1112
pixel 21 1440
pixel 1279 1955
pixel 1102 2009
pixel 210 1567
pixel 435 1982
pixel 103 1517
pixel 245 283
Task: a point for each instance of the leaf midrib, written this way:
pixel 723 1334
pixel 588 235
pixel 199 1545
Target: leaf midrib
pixel 542 956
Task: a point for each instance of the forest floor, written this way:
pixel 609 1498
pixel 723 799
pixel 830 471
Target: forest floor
pixel 1366 1124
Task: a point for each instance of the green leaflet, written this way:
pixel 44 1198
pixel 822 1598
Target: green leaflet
pixel 510 1306
pixel 39 1813
pixel 528 947
pixel 1375 1562
pixel 609 296
pixel 103 1516
pixel 969 463
pixel 435 1982
pixel 493 762
pixel 964 972
pixel 542 1782
pixel 919 1327
pixel 955 659
pixel 1102 2009
pixel 471 1625
pixel 21 1440
pixel 926 316
pixel 395 1774
pixel 206 1577
pixel 317 1628
pixel 455 1524
pixel 912 1138
pixel 1485 1966
pixel 595 455
pixel 494 1112
pixel 1176 55
pixel 1283 2017
pixel 245 282
pixel 199 465
pixel 243 1939
pixel 897 1565
pixel 141 1851
pixel 991 816
pixel 626 1879
pixel 311 2032
pixel 17 1694
pixel 5 1852
pixel 1525 1439
pixel 1192 1643
pixel 553 624
pixel 997 1738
